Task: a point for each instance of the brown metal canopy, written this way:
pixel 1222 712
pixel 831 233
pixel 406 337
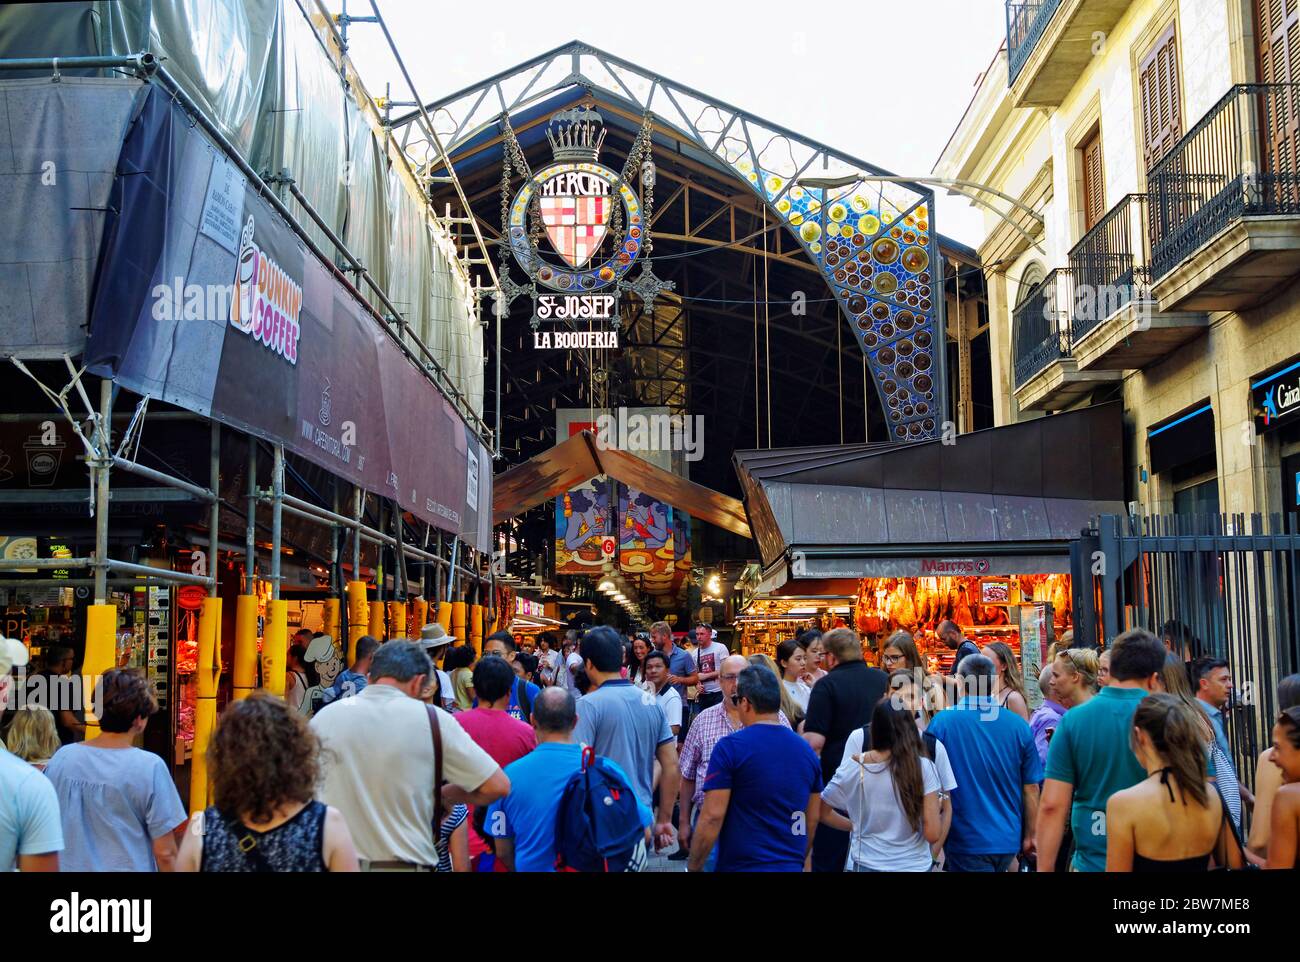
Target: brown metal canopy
pixel 581 458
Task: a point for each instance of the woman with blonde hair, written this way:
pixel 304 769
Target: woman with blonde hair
pixel 1009 687
pixel 33 736
pixel 1172 821
pixel 1074 676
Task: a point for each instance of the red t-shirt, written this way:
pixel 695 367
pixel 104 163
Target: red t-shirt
pixel 502 737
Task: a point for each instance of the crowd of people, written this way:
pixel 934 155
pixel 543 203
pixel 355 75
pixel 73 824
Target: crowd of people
pixel 425 755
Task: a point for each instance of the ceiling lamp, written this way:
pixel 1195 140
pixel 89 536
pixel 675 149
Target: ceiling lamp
pixel 606 586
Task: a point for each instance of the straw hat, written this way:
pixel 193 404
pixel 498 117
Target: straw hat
pixel 435 636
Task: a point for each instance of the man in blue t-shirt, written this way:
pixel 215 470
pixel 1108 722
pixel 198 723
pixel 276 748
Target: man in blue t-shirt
pixel 998 770
pixel 762 791
pixel 31 833
pixel 523 822
pixel 503 645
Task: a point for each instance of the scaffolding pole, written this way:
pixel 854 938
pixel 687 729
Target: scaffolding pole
pixel 250 531
pixel 277 517
pixel 214 519
pixel 103 464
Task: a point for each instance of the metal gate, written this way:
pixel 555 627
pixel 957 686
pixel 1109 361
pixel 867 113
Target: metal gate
pixel 1222 585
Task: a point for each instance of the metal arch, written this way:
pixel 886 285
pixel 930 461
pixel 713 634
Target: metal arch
pixel 709 125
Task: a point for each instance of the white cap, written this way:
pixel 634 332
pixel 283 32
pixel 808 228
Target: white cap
pixel 320 649
pixel 13 654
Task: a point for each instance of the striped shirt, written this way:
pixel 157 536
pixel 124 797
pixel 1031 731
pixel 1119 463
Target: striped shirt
pixel 709 727
pixel 450 822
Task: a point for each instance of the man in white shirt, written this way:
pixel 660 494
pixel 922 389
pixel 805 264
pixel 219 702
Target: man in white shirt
pixel 547 658
pixel 708 660
pixel 656 674
pixel 378 762
pixel 569 663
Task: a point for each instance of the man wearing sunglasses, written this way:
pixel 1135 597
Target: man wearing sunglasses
pixel 709 728
pixel 762 793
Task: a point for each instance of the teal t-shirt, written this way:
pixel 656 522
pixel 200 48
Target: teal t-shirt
pixel 1092 751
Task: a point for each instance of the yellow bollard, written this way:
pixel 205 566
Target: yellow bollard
pixel 397 619
pixel 275 647
pixel 245 667
pixel 358 616
pixel 208 672
pixel 476 626
pixel 459 622
pixel 330 617
pixel 444 615
pixel 101 655
pixel 377 620
pixel 419 615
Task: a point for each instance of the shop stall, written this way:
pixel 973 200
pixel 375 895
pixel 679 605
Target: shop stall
pixel 766 622
pixel 978 531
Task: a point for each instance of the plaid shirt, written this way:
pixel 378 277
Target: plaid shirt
pixel 707 729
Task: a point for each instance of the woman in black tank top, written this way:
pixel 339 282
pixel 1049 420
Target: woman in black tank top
pixel 1173 820
pixel 264 767
pixel 1284 831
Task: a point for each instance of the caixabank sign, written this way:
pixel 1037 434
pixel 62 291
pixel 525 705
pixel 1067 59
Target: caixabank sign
pixel 1275 396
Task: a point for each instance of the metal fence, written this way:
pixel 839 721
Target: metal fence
pixel 1110 266
pixel 1239 159
pixel 1041 323
pixel 1221 585
pixel 1026 22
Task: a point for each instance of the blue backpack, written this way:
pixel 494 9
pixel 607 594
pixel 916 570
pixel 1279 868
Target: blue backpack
pixel 598 828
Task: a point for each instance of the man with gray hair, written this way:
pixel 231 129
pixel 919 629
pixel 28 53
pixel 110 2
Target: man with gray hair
pixel 1047 716
pixel 523 823
pixel 380 750
pixel 762 794
pixel 998 773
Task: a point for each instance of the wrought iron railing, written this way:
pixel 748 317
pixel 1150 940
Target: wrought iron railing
pixel 1239 160
pixel 1110 266
pixel 1026 22
pixel 1042 326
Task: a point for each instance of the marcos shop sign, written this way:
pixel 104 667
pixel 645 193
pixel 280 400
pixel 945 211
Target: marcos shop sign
pixel 206 299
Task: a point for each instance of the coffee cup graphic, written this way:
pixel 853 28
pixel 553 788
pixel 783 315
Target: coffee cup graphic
pixel 245 281
pixel 43 461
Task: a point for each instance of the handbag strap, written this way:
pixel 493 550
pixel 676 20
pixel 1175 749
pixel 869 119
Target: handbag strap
pixel 436 731
pixel 246 840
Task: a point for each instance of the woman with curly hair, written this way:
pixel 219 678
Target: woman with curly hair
pixel 264 770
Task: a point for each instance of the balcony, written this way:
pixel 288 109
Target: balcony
pixel 1115 323
pixel 1051 42
pixel 1224 203
pixel 1047 376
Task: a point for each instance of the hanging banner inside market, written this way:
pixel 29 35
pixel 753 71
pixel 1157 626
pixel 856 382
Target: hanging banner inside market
pixel 208 300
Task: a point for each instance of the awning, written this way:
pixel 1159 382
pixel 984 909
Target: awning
pixel 1183 438
pixel 581 458
pixel 1006 500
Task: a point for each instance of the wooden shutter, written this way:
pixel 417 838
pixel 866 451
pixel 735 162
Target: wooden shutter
pixel 1094 188
pixel 1161 95
pixel 1279 63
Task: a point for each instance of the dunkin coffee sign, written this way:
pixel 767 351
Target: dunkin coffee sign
pixel 267 300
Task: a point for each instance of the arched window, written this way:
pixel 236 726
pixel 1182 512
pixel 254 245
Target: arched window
pixel 1030 278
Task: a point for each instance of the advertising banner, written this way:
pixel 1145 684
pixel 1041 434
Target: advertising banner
pixel 207 299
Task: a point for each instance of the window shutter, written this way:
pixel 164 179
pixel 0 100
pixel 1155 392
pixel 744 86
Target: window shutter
pixel 1161 95
pixel 1279 63
pixel 1094 192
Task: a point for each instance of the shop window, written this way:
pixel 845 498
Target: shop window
pixel 1201 498
pixel 1161 95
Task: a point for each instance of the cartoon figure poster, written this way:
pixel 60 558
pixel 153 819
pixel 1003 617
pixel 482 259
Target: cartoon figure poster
pixel 582 521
